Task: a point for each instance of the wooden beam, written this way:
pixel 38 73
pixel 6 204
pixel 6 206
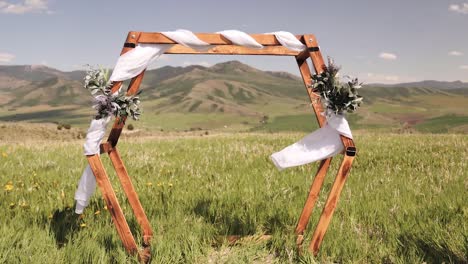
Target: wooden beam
pixel 313 97
pixel 311 200
pixel 314 53
pixel 210 38
pixel 234 50
pixel 343 172
pixel 131 194
pixel 114 135
pixel 331 203
pixel 119 122
pixel 112 203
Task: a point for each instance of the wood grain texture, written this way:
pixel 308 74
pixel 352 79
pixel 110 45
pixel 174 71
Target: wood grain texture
pixel 114 135
pixel 131 194
pixel 210 38
pixel 331 203
pixel 313 97
pixel 112 203
pixel 311 199
pixel 316 56
pixel 119 122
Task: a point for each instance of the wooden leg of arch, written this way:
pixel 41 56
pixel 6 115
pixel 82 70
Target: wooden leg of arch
pixel 114 208
pixel 131 195
pixel 330 205
pixel 311 200
pixel 112 203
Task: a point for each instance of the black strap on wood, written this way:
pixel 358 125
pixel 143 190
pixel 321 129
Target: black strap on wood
pixel 129 45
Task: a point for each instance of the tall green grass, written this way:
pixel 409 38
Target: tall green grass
pixel 404 202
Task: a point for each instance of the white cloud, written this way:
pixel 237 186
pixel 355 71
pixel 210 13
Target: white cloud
pixel 387 56
pixel 455 53
pixel 25 6
pixel 6 57
pixel 464 67
pixel 381 78
pixel 202 63
pixel 461 8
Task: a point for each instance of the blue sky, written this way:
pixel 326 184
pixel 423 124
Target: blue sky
pixel 375 40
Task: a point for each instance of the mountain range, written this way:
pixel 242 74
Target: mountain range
pixel 230 95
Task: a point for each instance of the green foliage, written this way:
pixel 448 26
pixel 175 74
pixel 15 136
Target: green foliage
pixel 119 104
pixel 97 81
pixel 402 203
pixel 337 97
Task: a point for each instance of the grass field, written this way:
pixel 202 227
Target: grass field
pixel 405 201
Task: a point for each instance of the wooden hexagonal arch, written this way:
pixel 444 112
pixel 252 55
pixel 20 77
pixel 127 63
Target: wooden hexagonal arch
pixel 222 46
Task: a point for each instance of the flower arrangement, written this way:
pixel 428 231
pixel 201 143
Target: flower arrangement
pixel 107 103
pixel 337 97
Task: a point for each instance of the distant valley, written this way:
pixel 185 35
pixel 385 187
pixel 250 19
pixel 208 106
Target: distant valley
pixel 231 96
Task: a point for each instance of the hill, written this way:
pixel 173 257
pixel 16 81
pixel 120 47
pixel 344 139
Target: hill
pixel 232 96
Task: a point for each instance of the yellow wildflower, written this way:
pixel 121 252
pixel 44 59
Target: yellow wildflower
pixel 149 184
pixel 8 187
pixel 170 185
pixel 4 155
pixel 97 212
pixel 12 205
pixel 160 184
pixel 105 207
pixel 83 225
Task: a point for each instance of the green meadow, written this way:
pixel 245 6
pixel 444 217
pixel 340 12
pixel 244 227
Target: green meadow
pixel 404 202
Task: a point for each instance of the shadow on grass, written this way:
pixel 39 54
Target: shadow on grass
pixel 63 224
pixel 431 251
pixel 233 219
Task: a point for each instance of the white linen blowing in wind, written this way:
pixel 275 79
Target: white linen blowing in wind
pixel 323 143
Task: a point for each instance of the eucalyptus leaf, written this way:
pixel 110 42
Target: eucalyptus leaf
pixel 336 96
pixel 106 104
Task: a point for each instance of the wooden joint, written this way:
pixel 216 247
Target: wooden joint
pixel 133 37
pixel 106 147
pixel 302 57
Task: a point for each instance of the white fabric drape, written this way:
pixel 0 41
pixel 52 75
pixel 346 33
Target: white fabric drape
pixel 241 39
pixel 289 41
pixel 87 183
pixel 188 39
pixel 323 143
pixel 136 60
